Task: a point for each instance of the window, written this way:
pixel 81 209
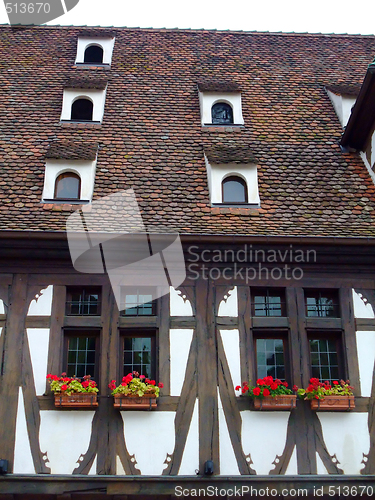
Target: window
pixel 234 190
pixel 137 302
pixel 83 302
pixel 93 55
pixel 326 356
pixel 95 50
pixel 68 187
pixel 268 302
pixel 139 353
pixel 271 356
pixel 82 110
pixel 81 353
pixel 222 113
pixel 322 303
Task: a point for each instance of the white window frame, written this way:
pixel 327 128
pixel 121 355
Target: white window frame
pixel 85 169
pixel 216 173
pixel 96 96
pixel 106 43
pixel 208 99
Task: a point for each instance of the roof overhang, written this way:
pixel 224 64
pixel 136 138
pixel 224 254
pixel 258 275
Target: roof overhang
pixel 362 120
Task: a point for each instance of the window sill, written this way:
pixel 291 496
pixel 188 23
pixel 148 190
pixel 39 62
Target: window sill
pixel 236 205
pixel 73 123
pixel 81 65
pixel 65 201
pixel 210 127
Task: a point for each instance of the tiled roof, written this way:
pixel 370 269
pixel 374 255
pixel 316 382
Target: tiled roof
pixel 213 86
pixel 86 83
pixel 69 150
pixel 352 90
pixel 229 155
pixel 151 137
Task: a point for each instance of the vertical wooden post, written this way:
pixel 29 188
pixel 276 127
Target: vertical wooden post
pixel 11 378
pixel 207 376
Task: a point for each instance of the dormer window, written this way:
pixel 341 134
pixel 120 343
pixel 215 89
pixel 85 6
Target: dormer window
pixel 68 186
pixel 232 176
pixel 82 109
pixel 83 104
pixel 234 190
pixel 220 103
pixel 70 172
pixel 94 54
pixel 222 113
pixel 94 50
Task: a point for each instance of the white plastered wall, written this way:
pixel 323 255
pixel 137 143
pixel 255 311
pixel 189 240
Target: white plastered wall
pixel 23 460
pixel 217 173
pixel 229 305
pixel 149 436
pixel 190 458
pixel 180 341
pixel 228 461
pixel 365 345
pixel 208 99
pixel 342 105
pixel 2 309
pixel 42 305
pixel 271 427
pixel 346 435
pixel 97 96
pixel 64 436
pixel 84 169
pixel 106 44
pixel 231 344
pixel 179 305
pixel 38 339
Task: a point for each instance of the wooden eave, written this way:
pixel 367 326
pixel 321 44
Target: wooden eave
pixel 362 119
pixel 49 484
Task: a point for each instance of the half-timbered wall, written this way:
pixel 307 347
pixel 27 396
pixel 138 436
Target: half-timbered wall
pixel 204 338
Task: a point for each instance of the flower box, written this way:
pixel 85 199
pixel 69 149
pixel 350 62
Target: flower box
pixel 133 402
pixel 333 403
pixel 278 403
pixel 78 400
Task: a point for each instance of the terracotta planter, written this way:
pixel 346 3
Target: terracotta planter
pixel 333 403
pixel 79 400
pixel 146 402
pixel 278 403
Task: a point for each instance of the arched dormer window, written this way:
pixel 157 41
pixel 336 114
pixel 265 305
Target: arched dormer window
pixel 82 110
pixel 94 55
pixel 222 113
pixel 234 190
pixel 68 187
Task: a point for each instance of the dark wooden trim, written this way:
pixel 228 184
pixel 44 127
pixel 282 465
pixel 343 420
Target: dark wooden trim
pixel 138 322
pixel 207 375
pixel 56 341
pixel 232 415
pixel 227 323
pixel 11 376
pixel 182 322
pixel 365 324
pixel 247 360
pixel 267 322
pixel 323 323
pixel 350 343
pixel 38 321
pixel 164 485
pixel 82 322
pixel 163 345
pixel 32 412
pixel 184 412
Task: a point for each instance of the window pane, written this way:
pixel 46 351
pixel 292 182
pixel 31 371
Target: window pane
pixel 270 358
pixel 322 303
pixel 222 113
pixel 234 191
pixel 137 355
pixel 268 302
pixel 81 356
pixel 82 110
pixel 94 54
pixel 67 187
pixel 83 302
pixel 137 302
pixel 324 359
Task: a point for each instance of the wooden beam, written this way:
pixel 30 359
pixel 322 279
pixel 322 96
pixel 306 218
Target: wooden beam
pixel 350 343
pixel 365 324
pixel 163 345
